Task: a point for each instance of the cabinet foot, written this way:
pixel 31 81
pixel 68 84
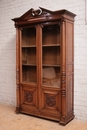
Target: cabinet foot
pixel 17 110
pixel 66 119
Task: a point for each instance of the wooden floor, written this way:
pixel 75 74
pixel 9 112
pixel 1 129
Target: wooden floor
pixel 11 121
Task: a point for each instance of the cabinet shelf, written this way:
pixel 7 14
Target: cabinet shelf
pixel 48 65
pixel 28 64
pixel 51 45
pixel 27 46
pixel 31 83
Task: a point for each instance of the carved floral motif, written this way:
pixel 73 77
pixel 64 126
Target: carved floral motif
pixel 28 96
pixel 50 100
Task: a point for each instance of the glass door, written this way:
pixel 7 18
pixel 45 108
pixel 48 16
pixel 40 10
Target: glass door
pixel 51 56
pixel 28 50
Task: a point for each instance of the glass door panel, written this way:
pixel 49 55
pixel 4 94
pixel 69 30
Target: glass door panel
pixel 29 55
pixel 28 59
pixel 51 56
pixel 28 37
pixel 29 74
pixel 51 35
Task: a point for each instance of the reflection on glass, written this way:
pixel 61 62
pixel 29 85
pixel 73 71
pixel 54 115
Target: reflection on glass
pixel 51 76
pixel 51 35
pixel 51 55
pixel 29 74
pixel 28 36
pixel 28 60
pixel 29 56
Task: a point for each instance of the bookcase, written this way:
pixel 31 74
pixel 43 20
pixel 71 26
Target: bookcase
pixel 45 64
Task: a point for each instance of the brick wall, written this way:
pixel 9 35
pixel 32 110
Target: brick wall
pixel 15 8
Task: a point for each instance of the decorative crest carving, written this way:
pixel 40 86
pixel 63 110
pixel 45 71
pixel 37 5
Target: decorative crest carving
pixel 36 12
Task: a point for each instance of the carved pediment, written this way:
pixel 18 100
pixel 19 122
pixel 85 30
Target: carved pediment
pixel 42 15
pixel 30 14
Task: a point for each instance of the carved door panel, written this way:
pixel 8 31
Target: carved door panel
pixel 29 99
pixel 51 103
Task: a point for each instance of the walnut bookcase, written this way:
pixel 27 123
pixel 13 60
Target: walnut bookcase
pixel 45 64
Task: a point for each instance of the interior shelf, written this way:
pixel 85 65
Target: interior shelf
pixel 28 64
pixel 28 46
pixel 51 65
pixel 51 45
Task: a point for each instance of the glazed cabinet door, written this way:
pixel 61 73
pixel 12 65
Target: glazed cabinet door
pixel 28 70
pixel 51 72
pixel 40 75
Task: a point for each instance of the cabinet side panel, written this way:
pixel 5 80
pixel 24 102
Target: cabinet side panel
pixel 69 66
pixel 69 45
pixel 17 71
pixel 63 69
pixel 69 94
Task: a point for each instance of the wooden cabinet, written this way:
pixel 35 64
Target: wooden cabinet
pixel 45 64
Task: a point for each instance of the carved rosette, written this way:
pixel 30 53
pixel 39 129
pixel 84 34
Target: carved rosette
pixel 50 100
pixel 28 96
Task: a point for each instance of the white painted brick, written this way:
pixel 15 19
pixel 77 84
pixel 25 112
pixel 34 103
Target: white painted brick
pixel 15 8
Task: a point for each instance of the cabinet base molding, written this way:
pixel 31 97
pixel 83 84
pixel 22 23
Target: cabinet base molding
pixel 66 119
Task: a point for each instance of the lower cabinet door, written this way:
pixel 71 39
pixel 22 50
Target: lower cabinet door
pixel 29 99
pixel 48 100
pixel 51 103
